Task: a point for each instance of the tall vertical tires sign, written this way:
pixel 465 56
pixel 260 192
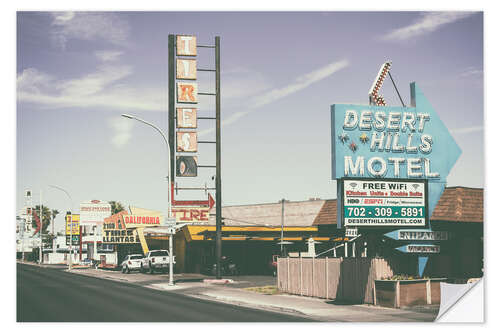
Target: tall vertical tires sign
pixel 390 163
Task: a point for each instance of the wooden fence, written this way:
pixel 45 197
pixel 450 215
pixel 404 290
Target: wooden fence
pixel 345 279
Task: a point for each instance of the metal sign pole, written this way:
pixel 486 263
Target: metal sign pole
pixel 70 263
pixel 41 228
pixel 171 141
pixel 218 199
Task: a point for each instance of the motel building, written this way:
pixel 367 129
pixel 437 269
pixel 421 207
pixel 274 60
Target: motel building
pixel 251 235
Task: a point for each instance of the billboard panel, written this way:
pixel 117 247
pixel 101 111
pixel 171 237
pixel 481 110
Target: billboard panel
pixel 113 235
pixel 94 212
pixel 73 221
pixel 384 202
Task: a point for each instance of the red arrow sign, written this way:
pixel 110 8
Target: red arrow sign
pixel 209 202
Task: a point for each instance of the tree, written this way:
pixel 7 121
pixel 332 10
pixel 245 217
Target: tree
pixel 46 218
pixel 116 207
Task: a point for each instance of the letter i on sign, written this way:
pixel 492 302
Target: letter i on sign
pixel 186 69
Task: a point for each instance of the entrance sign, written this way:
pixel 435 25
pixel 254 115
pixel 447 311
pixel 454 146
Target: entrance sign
pixel 394 202
pixel 393 142
pixel 420 235
pixel 94 212
pixel 419 248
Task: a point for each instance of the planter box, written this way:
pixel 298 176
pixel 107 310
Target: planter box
pixel 404 293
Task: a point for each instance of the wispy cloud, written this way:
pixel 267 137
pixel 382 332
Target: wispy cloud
pixel 471 72
pixel 466 130
pixel 273 95
pixel 300 83
pixel 428 22
pixel 107 56
pixel 88 26
pixel 101 88
pixel 121 131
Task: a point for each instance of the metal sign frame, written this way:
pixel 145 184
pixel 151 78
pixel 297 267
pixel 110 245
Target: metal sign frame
pixel 398 180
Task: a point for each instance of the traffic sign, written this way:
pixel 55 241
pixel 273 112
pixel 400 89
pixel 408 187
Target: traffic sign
pixel 351 232
pixel 417 234
pixel 419 248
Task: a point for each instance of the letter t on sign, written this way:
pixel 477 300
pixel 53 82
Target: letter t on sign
pixel 186 45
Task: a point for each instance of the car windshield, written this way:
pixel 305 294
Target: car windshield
pixel 135 257
pixel 159 253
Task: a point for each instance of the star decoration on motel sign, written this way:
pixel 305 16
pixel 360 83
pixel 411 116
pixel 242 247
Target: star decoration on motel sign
pixel 402 142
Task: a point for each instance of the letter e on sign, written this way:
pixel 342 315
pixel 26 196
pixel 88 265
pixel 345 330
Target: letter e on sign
pixel 186 45
pixel 186 118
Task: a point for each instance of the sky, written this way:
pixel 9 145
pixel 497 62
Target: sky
pixel 77 72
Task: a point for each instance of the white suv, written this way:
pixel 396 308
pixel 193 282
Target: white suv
pixel 132 262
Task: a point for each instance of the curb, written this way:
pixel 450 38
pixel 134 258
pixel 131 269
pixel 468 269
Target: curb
pixel 215 281
pixel 227 300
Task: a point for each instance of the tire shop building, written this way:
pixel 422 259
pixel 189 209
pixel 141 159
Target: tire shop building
pixel 251 235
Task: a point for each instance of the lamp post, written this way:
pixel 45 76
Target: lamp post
pixel 71 225
pixel 170 238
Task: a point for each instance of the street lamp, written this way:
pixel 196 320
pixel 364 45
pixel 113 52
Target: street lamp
pixel 170 240
pixel 70 263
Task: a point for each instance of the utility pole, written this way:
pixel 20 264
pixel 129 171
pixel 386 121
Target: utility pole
pixel 53 236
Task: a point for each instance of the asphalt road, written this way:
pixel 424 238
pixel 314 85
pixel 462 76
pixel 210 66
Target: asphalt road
pixel 52 295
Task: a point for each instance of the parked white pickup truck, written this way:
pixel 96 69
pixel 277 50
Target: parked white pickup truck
pixel 156 260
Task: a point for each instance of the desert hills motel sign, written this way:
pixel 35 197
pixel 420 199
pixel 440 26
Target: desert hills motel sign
pixel 390 161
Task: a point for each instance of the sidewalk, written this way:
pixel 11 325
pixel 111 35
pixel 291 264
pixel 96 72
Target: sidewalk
pixel 310 307
pixel 203 287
